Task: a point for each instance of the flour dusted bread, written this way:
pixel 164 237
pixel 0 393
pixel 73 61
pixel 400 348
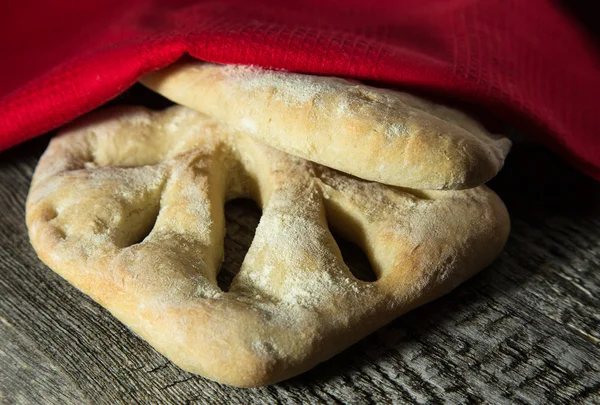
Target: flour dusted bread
pixel 377 134
pixel 127 205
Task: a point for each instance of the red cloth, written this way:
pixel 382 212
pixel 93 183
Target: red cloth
pixel 526 61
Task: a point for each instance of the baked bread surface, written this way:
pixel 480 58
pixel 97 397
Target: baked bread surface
pixel 127 205
pixel 387 136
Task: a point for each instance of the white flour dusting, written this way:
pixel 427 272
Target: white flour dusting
pixel 291 88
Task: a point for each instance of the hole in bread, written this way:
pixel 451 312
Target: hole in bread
pixel 355 258
pixel 350 236
pixel 241 217
pixel 139 225
pixel 49 213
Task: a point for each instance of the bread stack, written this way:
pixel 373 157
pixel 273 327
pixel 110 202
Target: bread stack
pixel 127 205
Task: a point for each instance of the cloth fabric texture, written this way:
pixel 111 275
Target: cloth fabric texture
pixel 527 62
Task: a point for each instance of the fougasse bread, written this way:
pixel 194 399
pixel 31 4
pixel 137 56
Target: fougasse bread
pixel 127 205
pixel 377 134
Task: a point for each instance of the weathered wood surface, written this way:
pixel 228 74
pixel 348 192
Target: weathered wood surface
pixel 526 330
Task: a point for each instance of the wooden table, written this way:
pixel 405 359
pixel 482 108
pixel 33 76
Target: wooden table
pixel 525 330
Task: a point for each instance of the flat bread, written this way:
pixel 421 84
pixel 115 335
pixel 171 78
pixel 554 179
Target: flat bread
pixel 127 205
pixel 376 134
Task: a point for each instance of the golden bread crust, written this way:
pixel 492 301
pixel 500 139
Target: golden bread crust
pixel 376 134
pixel 127 205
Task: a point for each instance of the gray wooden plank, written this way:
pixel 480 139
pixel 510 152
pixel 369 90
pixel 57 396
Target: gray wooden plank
pixel 526 330
pixel 30 377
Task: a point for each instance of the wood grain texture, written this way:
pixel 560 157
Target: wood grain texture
pixel 526 330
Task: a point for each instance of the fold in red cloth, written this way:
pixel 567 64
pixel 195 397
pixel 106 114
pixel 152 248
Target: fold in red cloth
pixel 526 61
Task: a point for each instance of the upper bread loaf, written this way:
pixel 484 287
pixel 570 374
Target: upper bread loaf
pixel 376 134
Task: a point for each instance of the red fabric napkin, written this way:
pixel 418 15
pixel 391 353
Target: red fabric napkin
pixel 526 61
